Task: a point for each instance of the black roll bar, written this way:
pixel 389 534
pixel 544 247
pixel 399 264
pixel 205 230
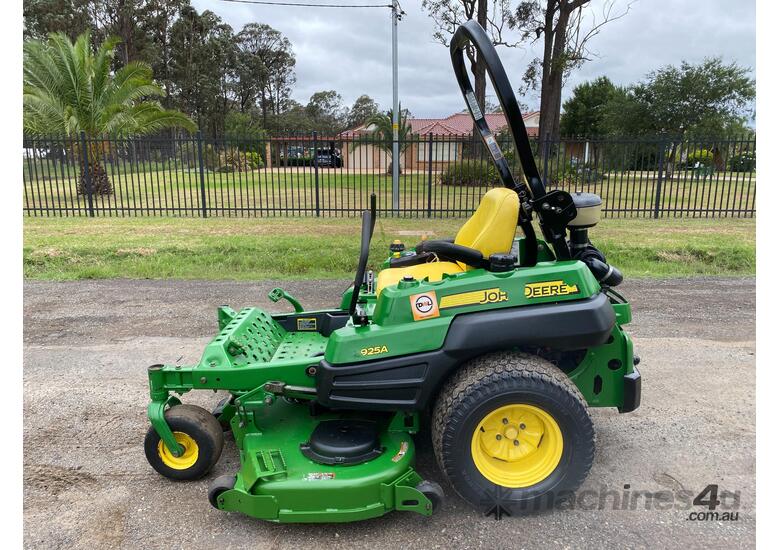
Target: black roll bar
pixel 472 32
pixel 556 208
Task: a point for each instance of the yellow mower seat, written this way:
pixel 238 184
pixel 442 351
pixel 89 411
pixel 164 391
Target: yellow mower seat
pixel 491 230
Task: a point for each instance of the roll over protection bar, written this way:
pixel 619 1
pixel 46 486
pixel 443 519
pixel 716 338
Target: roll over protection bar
pixel 556 208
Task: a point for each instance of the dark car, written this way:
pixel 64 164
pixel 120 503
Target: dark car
pixel 330 158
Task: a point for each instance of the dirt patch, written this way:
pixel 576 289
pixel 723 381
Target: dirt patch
pixel 49 252
pixel 136 251
pixel 683 256
pixel 107 530
pixel 55 479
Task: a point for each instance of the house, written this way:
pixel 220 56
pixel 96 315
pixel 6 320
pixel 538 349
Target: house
pixel 449 134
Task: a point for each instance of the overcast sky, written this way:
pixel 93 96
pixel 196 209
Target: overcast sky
pixel 348 50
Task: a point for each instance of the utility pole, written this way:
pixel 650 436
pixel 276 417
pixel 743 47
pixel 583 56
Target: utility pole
pixel 396 16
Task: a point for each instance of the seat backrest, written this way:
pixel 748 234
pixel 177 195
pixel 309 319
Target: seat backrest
pixel 491 229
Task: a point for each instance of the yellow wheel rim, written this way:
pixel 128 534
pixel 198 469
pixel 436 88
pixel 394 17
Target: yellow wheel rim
pixel 517 445
pixel 187 459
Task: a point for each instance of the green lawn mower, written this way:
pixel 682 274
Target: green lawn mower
pixel 500 342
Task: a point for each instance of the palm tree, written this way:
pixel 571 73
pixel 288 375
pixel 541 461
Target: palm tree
pixel 383 133
pixel 68 89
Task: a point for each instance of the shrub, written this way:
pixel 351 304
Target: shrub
pixel 703 157
pixel 231 159
pixel 484 173
pixel 255 160
pixel 569 174
pixel 743 162
pixel 210 156
pixel 470 174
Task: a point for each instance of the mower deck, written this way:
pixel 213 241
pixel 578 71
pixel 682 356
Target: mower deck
pixel 277 482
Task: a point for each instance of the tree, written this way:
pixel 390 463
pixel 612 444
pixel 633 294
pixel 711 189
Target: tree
pixel 326 112
pixel 202 61
pixel 362 110
pixel 156 20
pixel 264 68
pixel 246 125
pixel 144 27
pixel 382 133
pixel 566 37
pixel 448 15
pixel 281 81
pixel 687 101
pixel 711 100
pixel 43 17
pixel 118 18
pixel 68 89
pixel 291 118
pixel 584 112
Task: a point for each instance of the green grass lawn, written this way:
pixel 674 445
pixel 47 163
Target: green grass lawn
pixel 293 191
pixel 297 248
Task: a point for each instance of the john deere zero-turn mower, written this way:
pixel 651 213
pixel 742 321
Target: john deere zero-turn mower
pixel 502 342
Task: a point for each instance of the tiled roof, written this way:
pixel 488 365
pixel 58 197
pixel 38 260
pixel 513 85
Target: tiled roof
pixel 455 124
pixel 459 123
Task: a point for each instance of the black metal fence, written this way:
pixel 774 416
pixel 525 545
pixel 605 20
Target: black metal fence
pixel 314 175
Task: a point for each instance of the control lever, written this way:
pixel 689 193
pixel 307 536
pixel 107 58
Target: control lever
pixel 278 293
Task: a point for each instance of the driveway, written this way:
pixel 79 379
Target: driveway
pixel 87 483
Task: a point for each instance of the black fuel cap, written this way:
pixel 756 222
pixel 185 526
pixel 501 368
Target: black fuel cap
pixel 502 262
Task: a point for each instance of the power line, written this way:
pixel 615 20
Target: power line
pixel 304 5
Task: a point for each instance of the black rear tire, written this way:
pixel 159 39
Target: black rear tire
pixel 505 379
pixel 203 435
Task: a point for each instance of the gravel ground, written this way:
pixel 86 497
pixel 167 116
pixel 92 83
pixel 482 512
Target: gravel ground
pixel 87 483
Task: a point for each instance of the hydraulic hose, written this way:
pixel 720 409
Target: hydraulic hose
pixel 605 274
pixel 596 261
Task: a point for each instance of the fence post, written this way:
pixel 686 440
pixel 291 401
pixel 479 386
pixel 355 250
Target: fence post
pixel 430 170
pixel 546 149
pixel 316 177
pixel 660 179
pixel 87 174
pixel 202 176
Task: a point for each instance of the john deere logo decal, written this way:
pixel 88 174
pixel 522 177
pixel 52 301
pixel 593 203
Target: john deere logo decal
pixel 546 289
pixel 487 296
pixel 424 306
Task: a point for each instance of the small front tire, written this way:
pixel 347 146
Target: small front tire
pixel 219 486
pixel 432 492
pixel 198 432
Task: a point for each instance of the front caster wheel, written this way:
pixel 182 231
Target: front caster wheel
pixel 219 486
pixel 512 433
pixel 219 412
pixel 432 492
pixel 198 432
